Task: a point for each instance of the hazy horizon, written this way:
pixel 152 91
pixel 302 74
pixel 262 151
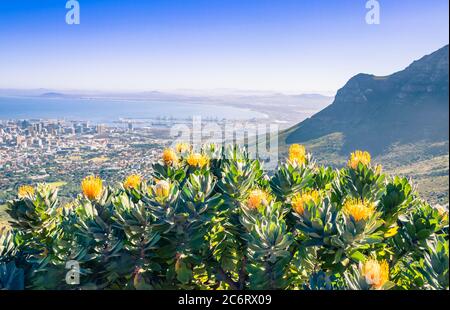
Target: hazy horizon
pixel 192 92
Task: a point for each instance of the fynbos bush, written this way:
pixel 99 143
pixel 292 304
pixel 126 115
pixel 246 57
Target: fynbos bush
pixel 219 222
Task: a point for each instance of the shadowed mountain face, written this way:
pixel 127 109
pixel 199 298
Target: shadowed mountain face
pixel 373 113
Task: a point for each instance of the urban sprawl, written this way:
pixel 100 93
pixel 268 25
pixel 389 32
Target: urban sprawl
pixel 62 152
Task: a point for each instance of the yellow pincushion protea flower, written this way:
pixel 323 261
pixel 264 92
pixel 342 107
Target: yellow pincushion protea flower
pixel 182 147
pixel 162 189
pixel 25 191
pixel 379 169
pixel 443 214
pixel 92 187
pixel 297 154
pixel 169 157
pixel 257 198
pixel 376 273
pixel 132 181
pixel 441 210
pixel 197 160
pixel 358 209
pixel 359 157
pixel 301 200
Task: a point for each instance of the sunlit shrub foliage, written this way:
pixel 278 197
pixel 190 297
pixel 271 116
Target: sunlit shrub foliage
pixel 214 219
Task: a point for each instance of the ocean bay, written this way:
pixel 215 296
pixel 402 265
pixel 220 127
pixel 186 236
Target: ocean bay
pixel 111 110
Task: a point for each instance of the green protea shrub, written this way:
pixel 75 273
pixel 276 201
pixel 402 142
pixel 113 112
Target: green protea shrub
pixel 435 265
pixel 211 218
pixel 294 175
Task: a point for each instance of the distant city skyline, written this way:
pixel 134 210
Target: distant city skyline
pixel 168 45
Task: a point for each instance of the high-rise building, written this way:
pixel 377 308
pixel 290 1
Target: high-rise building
pixel 100 129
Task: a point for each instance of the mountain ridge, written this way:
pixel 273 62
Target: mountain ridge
pixel 404 107
pixel 402 119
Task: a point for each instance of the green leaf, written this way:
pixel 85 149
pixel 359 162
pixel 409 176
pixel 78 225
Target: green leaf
pixel 358 256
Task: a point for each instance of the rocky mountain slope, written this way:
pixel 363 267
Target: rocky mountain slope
pixel 402 119
pixel 375 112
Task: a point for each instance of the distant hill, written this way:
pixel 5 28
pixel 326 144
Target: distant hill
pixel 375 112
pixel 53 95
pixel 402 119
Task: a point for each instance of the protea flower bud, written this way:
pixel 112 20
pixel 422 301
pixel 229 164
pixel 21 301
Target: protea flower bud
pixel 25 191
pixel 182 147
pixel 358 209
pixel 132 181
pixel 301 200
pixel 162 189
pixel 358 157
pixel 376 273
pixel 169 157
pixel 92 187
pixel 197 160
pixel 257 198
pixel 297 154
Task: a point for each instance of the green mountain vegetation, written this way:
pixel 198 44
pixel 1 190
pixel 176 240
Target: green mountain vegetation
pixel 401 119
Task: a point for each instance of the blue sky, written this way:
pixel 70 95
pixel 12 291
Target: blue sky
pixel 282 45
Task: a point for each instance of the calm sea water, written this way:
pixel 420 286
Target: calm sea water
pixel 105 111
